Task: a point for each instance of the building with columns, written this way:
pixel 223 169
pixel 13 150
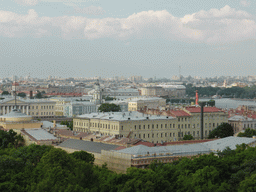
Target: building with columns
pixel 37 108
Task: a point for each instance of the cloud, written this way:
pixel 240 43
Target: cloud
pixel 245 3
pixel 92 10
pixel 212 26
pixel 27 2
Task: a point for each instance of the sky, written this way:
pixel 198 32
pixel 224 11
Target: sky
pixel 151 38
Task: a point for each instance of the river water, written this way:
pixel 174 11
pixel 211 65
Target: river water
pixel 230 103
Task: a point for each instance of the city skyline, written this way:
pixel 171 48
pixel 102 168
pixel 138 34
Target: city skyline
pixel 87 38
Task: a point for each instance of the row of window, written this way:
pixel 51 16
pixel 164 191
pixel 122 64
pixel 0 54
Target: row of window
pixel 172 126
pixel 180 134
pixel 42 113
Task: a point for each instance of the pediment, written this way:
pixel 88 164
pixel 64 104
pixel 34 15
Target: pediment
pixel 13 102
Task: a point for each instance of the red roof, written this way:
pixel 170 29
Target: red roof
pixel 179 113
pixel 206 109
pixel 120 148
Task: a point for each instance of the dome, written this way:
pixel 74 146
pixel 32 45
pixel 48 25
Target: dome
pixel 16 115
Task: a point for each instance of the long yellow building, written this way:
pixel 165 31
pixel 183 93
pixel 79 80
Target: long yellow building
pixel 148 127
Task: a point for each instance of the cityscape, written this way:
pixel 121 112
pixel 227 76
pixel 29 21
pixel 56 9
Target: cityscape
pixel 155 96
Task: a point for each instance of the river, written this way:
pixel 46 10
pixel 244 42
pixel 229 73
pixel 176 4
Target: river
pixel 230 103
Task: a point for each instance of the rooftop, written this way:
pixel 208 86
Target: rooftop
pixel 123 116
pixel 40 134
pixel 193 109
pixel 89 146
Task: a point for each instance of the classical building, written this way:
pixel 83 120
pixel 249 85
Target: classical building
pixel 139 103
pixel 37 108
pixel 240 123
pixel 188 120
pixel 133 124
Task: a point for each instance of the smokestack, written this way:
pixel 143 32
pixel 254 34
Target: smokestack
pixel 196 97
pixel 202 120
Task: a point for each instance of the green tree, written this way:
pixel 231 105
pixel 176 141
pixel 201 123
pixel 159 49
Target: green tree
pixel 247 133
pixel 109 107
pixel 188 137
pixel 39 95
pixel 10 138
pixel 22 94
pixel 223 130
pixel 5 93
pixel 248 185
pixel 68 123
pixel 84 156
pixel 107 98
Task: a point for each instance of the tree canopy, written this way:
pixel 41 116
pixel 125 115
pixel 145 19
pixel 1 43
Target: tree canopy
pixel 5 93
pixel 188 137
pixel 22 94
pixel 223 130
pixel 247 133
pixel 45 168
pixel 109 107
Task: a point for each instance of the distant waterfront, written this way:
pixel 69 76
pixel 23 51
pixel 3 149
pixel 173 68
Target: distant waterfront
pixel 230 103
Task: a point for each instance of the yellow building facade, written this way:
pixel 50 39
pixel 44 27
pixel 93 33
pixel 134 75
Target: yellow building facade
pixel 37 108
pixel 136 104
pixel 148 127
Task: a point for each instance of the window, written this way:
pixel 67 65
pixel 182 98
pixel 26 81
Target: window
pixel 165 134
pixel 161 134
pixel 165 125
pixel 148 136
pixel 178 119
pixel 122 127
pixel 178 126
pixel 173 134
pixel 182 126
pixel 188 125
pixel 148 126
pixel 170 125
pixel 139 126
pixel 152 135
pixel 156 125
pixel 134 135
pixel 193 133
pixel 143 135
pixel 144 126
pixel 173 125
pixel 152 126
pixel 161 125
pixel 135 127
pixel 185 126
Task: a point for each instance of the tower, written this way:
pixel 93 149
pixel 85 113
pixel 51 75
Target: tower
pixel 97 95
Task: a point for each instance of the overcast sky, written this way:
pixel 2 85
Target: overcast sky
pixel 87 38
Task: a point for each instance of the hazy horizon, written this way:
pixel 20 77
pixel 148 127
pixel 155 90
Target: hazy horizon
pixel 87 38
